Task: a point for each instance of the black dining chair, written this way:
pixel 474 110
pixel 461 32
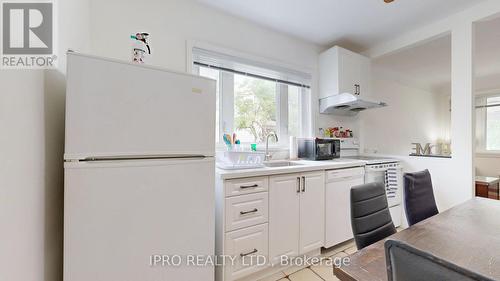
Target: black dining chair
pixel 370 217
pixel 419 197
pixel 406 263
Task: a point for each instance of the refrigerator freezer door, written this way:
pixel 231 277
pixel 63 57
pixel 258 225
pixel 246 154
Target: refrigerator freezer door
pixel 119 213
pixel 114 108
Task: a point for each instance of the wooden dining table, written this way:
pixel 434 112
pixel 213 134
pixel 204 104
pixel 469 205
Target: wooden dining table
pixel 467 235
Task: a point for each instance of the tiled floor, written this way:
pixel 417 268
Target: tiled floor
pixel 315 273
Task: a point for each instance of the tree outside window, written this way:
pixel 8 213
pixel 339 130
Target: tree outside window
pixel 254 108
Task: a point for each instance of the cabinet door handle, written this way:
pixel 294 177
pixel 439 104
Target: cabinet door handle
pixel 298 184
pixel 249 186
pixel 249 212
pixel 249 253
pixel 303 184
pixel 347 178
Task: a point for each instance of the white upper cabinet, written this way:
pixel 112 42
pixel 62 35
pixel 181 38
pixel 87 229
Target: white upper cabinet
pixel 343 71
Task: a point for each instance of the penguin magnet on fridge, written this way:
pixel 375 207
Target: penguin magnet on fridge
pixel 141 47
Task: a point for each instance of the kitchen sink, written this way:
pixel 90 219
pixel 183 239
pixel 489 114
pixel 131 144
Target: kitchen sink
pixel 281 164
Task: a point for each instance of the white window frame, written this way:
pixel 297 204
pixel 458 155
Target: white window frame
pixel 226 104
pixel 226 96
pixel 481 124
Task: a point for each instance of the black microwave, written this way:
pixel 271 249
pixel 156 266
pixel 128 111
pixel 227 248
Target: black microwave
pixel 318 149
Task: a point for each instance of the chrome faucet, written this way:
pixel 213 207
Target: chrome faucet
pixel 268 155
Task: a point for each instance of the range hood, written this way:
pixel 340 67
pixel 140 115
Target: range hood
pixel 346 104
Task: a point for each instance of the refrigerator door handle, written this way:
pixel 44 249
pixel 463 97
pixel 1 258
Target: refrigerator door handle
pixel 140 157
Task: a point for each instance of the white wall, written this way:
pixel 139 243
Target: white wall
pixel 172 23
pixel 413 115
pixel 444 116
pixel 488 165
pixel 22 175
pixel 458 171
pixel 31 170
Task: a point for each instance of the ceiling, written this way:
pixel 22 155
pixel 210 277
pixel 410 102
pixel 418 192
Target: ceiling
pixel 357 25
pixel 428 65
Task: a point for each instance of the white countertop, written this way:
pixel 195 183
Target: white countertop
pixel 299 167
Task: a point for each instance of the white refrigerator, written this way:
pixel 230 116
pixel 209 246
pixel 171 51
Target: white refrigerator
pixel 139 172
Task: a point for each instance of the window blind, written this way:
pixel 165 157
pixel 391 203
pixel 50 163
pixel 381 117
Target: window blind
pixel 242 66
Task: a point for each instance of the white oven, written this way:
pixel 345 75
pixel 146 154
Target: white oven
pixel 379 169
pixel 391 175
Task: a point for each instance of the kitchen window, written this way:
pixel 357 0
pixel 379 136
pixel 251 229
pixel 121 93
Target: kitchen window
pixel 254 99
pixel 488 123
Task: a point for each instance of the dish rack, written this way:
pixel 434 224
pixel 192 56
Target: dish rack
pixel 232 160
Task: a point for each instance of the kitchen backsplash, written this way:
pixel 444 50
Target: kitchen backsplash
pixel 328 121
pixel 336 132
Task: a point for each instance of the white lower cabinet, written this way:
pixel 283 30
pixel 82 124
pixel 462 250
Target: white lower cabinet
pixel 247 245
pixel 242 228
pixel 246 210
pixel 266 218
pixel 284 213
pixel 296 214
pixel 312 212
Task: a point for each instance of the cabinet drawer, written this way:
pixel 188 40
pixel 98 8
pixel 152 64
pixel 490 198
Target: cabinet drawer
pixel 246 210
pixel 249 246
pixel 342 174
pixel 246 186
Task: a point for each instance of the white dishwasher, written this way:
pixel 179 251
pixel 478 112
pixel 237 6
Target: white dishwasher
pixel 337 205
